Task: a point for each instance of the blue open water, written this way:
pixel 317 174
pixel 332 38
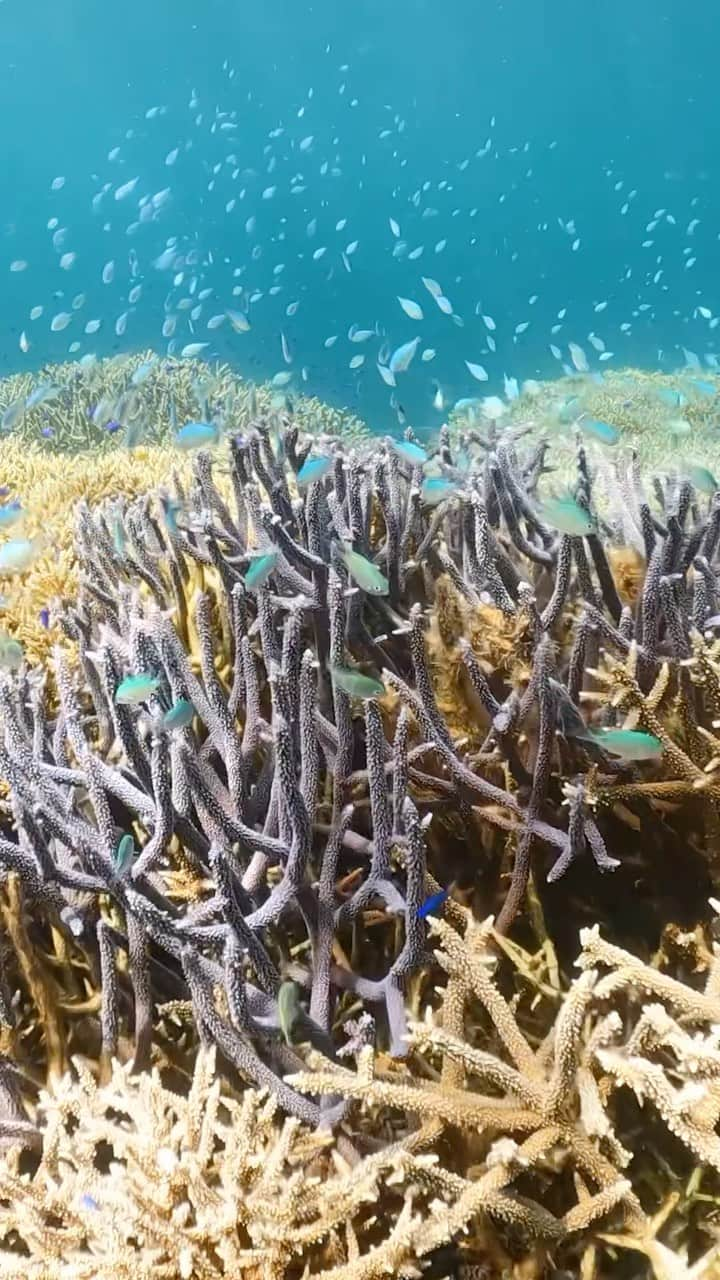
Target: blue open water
pixel 592 123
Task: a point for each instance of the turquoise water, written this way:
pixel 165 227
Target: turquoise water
pixel 525 147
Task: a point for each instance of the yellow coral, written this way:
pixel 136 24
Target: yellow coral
pixel 49 488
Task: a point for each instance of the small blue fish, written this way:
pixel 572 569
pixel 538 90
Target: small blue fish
pixel 260 568
pixel 701 478
pixel 432 904
pixel 312 470
pixel 124 854
pixel 171 509
pixel 629 744
pixel 10 513
pixel 566 515
pixel 196 435
pixel 569 409
pixel 41 395
pixel 604 432
pixel 87 1202
pixel 11 653
pixel 44 616
pixel 118 533
pixel 705 388
pixel 469 405
pixel 17 556
pixel 409 452
pixel 668 395
pixel 367 576
pixel 142 371
pixel 112 426
pixel 401 359
pixel 436 489
pixel 355 684
pixel 136 689
pixel 289 1009
pixel 179 716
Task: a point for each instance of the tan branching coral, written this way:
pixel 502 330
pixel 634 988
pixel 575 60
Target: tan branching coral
pixel 523 1117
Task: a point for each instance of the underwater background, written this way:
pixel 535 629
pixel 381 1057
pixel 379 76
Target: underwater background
pixel 550 165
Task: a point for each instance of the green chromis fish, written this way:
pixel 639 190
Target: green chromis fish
pixel 568 410
pixel 669 396
pixel 171 509
pixel 11 653
pixel 124 854
pixel 312 470
pixel 705 388
pixel 436 489
pixel 12 414
pixel 701 479
pixel 289 1009
pixel 179 716
pixel 259 569
pixel 410 452
pixel 629 744
pixel 196 435
pixel 367 576
pixel 17 556
pixel 603 432
pixel 355 684
pixel 136 689
pixel 10 514
pixel 41 395
pixel 143 371
pixel 566 515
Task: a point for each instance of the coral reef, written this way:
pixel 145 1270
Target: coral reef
pixel 662 416
pixel 142 397
pixel 49 489
pixel 505 1146
pixel 311 686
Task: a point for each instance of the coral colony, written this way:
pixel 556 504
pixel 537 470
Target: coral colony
pixel 338 749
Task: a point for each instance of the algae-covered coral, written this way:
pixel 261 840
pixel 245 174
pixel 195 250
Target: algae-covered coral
pixel 210 841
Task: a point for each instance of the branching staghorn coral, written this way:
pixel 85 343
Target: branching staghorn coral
pixel 286 832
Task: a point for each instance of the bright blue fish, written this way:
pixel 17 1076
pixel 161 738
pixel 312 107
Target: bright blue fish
pixel 196 435
pixel 259 569
pixel 142 371
pixel 124 854
pixel 179 716
pixel 705 388
pixel 10 513
pixel 668 395
pixel 312 470
pixel 401 359
pixel 18 555
pixel 409 452
pixel 135 689
pixel 171 508
pixel 367 576
pixel 569 410
pixel 604 432
pixel 431 904
pixel 436 489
